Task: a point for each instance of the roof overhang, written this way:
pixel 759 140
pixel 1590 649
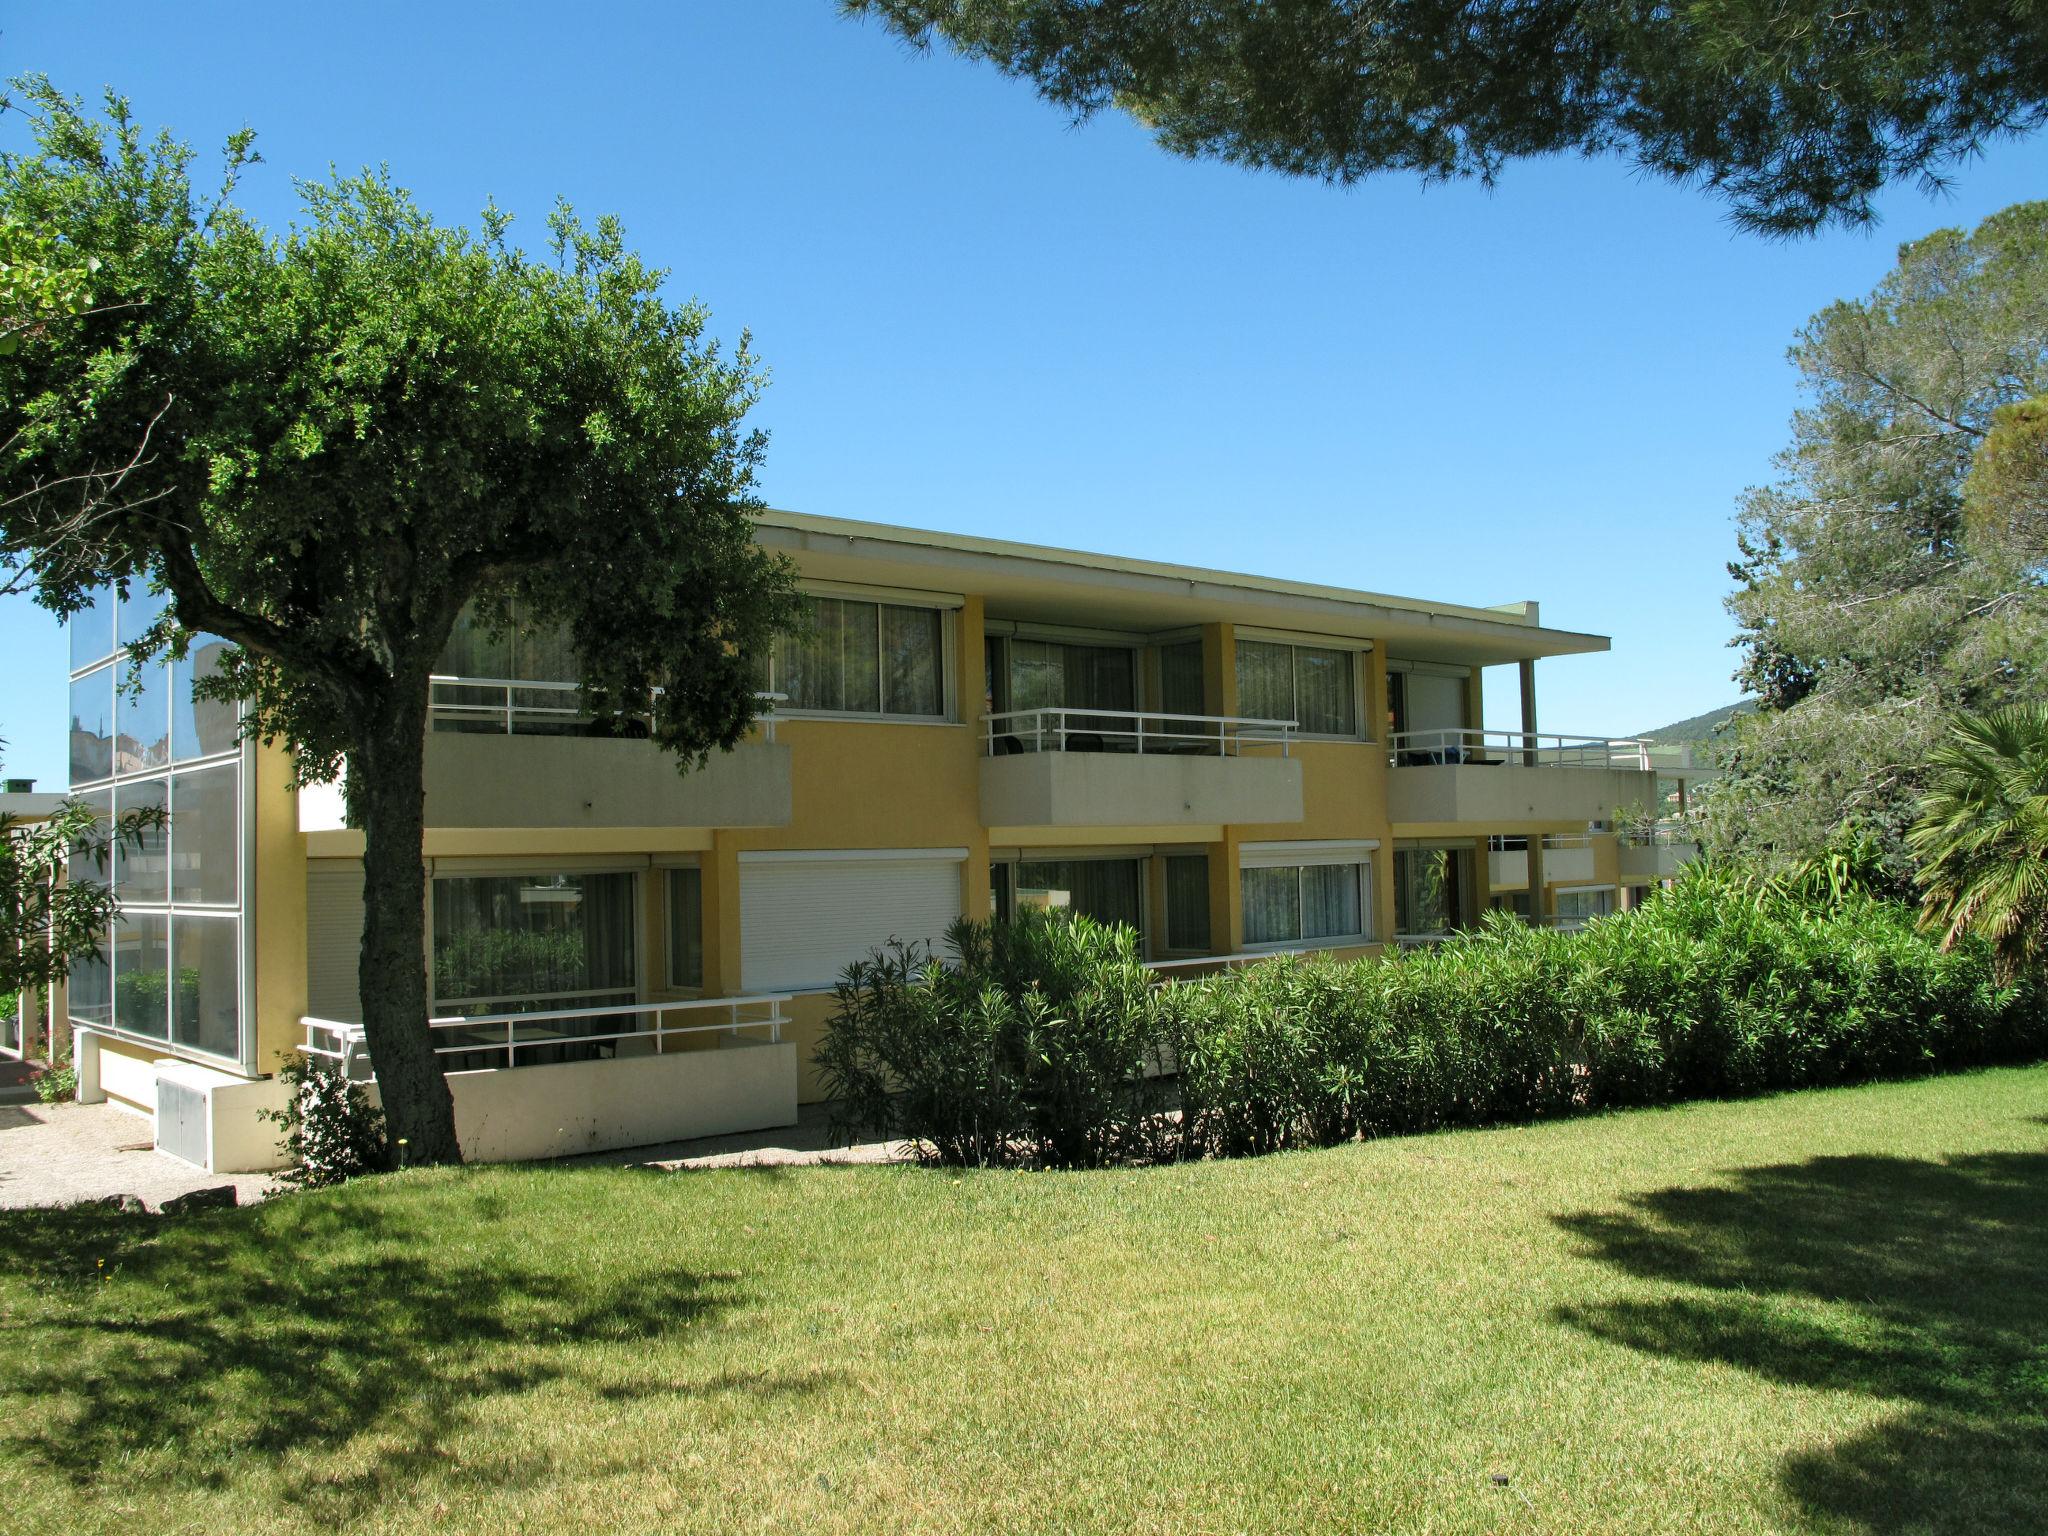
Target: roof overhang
pixel 1036 583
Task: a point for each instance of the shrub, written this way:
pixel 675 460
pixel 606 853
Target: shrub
pixel 332 1132
pixel 59 1085
pixel 1037 1043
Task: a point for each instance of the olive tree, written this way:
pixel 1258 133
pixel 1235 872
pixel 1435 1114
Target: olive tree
pixel 322 445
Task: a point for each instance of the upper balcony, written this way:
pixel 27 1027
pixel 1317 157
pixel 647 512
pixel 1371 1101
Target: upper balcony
pixel 568 770
pixel 1129 768
pixel 1655 853
pixel 1514 777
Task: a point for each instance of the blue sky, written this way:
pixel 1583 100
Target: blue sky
pixel 982 318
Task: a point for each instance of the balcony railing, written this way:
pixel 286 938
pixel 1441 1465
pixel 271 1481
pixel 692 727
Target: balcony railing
pixel 1135 731
pixel 516 1039
pixel 1515 749
pixel 506 706
pixel 1663 835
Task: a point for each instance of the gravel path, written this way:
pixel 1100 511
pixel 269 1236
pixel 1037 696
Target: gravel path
pixel 58 1154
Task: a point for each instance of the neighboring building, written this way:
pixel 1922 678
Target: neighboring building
pixel 621 954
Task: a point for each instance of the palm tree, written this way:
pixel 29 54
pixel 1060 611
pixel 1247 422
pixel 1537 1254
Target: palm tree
pixel 1982 837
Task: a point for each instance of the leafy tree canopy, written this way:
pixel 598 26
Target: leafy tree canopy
pixel 1893 576
pixel 324 445
pixel 1796 114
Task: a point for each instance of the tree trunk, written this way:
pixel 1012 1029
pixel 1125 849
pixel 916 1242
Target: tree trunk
pixel 389 770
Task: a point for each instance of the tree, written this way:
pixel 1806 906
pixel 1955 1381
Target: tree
pixel 1982 836
pixel 356 430
pixel 1874 604
pixel 1797 113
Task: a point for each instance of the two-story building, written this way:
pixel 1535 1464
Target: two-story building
pixel 621 953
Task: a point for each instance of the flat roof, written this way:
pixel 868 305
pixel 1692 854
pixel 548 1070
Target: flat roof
pixel 1042 584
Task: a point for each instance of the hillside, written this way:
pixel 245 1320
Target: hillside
pixel 1699 730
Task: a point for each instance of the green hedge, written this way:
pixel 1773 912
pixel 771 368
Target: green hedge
pixel 1041 1043
pixel 1707 991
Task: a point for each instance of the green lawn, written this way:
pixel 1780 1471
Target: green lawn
pixel 1823 1312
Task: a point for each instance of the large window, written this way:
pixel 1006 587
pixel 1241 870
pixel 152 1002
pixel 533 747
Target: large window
pixel 1311 685
pixel 1108 890
pixel 1430 886
pixel 1580 905
pixel 141 741
pixel 862 658
pixel 526 943
pixel 521 651
pixel 1316 901
pixel 1182 687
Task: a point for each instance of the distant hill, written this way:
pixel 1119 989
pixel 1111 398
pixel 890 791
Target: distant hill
pixel 1699 730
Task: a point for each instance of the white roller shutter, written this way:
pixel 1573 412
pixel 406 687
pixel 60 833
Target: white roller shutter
pixel 334 940
pixel 805 916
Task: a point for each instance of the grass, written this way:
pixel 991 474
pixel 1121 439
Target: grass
pixel 1822 1312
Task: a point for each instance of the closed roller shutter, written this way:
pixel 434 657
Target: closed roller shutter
pixel 334 941
pixel 805 917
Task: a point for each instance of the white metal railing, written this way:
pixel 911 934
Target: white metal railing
pixel 496 704
pixel 1128 730
pixel 1538 749
pixel 1663 835
pixel 541 1030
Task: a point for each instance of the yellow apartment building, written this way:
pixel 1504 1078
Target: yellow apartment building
pixel 621 953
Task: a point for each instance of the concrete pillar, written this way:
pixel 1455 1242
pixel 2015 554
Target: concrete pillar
pixel 1528 670
pixel 1219 668
pixel 85 1059
pixel 1539 896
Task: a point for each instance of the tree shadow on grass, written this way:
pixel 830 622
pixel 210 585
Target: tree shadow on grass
pixel 1919 1281
pixel 215 1346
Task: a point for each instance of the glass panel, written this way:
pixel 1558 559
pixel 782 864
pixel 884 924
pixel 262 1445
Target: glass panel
pixel 142 712
pixel 837 666
pixel 1428 890
pixel 142 966
pixel 515 942
pixel 91 990
pixel 685 928
pixel 1579 905
pixel 85 866
pixel 92 726
pixel 1324 699
pixel 142 869
pixel 199 727
pixel 1187 901
pixel 1330 906
pixel 1272 905
pixel 1038 678
pixel 140 609
pixel 92 630
pixel 206 1007
pixel 1265 680
pixel 527 650
pixel 203 840
pixel 1180 679
pixel 1104 889
pixel 911 650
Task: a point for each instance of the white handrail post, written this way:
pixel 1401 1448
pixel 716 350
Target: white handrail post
pixel 1141 735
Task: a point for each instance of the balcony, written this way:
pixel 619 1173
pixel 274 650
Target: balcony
pixel 1485 778
pixel 1656 853
pixel 560 773
pixel 1122 768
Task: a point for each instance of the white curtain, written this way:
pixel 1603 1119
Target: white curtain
pixel 1265 680
pixel 1325 703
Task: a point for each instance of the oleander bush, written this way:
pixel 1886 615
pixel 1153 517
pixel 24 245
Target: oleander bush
pixel 1041 1042
pixel 1037 1043
pixel 332 1132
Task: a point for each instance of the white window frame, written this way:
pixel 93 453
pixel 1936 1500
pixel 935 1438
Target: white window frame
pixel 1357 649
pixel 667 870
pixel 945 605
pixel 487 868
pixel 1298 856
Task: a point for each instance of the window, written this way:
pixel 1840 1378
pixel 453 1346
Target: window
pixel 1429 890
pixel 1302 903
pixel 1108 890
pixel 1187 902
pixel 172 970
pixel 517 943
pixel 1182 690
pixel 686 928
pixel 1310 685
pixel 1423 698
pixel 863 658
pixel 1582 904
pixel 1053 674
